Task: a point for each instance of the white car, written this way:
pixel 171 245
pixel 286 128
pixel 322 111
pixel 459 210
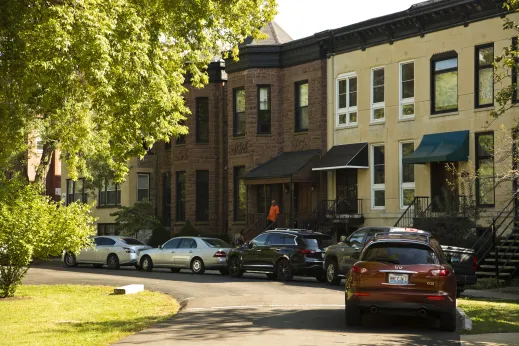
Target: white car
pixel 114 251
pixel 195 253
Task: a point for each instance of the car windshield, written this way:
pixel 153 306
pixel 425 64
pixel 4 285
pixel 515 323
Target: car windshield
pixel 212 242
pixel 131 241
pixel 317 242
pixel 406 254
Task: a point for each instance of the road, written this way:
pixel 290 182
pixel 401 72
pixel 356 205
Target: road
pixel 218 310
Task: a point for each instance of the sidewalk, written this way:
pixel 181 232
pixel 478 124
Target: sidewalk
pixel 496 339
pixel 507 293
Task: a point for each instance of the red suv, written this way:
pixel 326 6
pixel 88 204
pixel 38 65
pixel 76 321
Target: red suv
pixel 402 273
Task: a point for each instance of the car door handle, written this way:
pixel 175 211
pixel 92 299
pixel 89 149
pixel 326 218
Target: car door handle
pixel 172 251
pixel 258 250
pixel 190 251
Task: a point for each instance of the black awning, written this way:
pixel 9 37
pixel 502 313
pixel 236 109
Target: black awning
pixel 344 156
pixel 441 147
pixel 282 167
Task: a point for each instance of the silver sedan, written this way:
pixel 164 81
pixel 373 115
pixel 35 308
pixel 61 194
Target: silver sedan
pixel 114 251
pixel 195 253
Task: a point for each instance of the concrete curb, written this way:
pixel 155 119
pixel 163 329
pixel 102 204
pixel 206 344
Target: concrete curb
pixel 464 322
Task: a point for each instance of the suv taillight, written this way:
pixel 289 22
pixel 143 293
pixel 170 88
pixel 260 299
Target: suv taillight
pixel 475 263
pixel 441 272
pixel 358 270
pixel 220 254
pixel 305 251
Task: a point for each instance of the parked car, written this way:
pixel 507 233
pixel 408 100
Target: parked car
pixel 195 253
pixel 281 254
pixel 340 257
pixel 114 251
pixel 402 273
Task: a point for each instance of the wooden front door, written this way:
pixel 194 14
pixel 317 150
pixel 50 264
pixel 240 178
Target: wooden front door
pixel 346 189
pixel 444 187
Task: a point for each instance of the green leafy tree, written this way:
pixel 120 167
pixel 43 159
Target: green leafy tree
pixel 188 230
pixel 32 226
pixel 140 216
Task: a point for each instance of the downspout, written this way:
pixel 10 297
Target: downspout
pixel 331 75
pixel 290 225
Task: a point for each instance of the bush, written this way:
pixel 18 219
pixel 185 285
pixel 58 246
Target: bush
pixel 159 236
pixel 130 220
pixel 487 283
pixel 187 230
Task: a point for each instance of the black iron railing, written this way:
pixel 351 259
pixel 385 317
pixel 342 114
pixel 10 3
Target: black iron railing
pixel 414 210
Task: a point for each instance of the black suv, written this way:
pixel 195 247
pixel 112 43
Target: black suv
pixel 281 254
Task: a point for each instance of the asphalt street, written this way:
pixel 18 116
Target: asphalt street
pixel 219 310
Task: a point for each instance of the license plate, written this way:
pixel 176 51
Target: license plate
pixel 398 279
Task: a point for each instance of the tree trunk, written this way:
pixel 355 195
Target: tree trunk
pixel 43 167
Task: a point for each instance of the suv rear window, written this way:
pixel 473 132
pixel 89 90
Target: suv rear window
pixel 212 242
pixel 315 241
pixel 406 254
pixel 131 241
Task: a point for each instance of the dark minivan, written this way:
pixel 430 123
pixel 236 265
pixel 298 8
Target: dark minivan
pixel 281 254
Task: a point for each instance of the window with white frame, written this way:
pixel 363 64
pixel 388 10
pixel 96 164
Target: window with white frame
pixel 143 186
pixel 407 90
pixel 407 184
pixel 377 95
pixel 378 177
pixel 347 100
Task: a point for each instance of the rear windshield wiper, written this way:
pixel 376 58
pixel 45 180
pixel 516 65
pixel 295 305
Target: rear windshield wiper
pixel 387 260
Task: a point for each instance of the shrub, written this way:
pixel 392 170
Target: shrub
pixel 159 236
pixel 188 230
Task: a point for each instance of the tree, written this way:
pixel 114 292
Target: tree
pixel 102 80
pixel 140 216
pixel 33 226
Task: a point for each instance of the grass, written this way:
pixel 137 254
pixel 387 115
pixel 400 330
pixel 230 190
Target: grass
pixel 79 315
pixel 491 316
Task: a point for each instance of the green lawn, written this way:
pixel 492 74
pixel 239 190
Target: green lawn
pixel 79 315
pixel 491 316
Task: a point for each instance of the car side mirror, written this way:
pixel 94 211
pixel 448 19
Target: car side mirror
pixel 250 245
pixel 343 239
pixel 160 246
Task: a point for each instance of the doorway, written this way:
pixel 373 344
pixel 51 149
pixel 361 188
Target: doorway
pixel 346 191
pixel 444 187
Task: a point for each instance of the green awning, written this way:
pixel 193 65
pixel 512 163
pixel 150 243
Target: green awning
pixel 441 147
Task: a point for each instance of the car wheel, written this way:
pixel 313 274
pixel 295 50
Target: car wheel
pixel 70 260
pixel 234 266
pixel 224 271
pixel 332 273
pixel 284 270
pixel 113 261
pixel 197 266
pixel 448 321
pixel 98 266
pixel 147 264
pixel 175 270
pixel 321 278
pixel 138 267
pixel 272 276
pixel 353 316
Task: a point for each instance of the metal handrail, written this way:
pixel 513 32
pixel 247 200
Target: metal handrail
pixel 260 217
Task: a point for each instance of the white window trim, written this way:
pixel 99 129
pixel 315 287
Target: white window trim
pixel 376 187
pixel 403 186
pixel 378 105
pixel 408 101
pixel 149 181
pixel 347 110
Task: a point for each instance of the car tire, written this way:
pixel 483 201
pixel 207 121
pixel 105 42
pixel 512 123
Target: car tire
pixel 332 273
pixel 321 278
pixel 138 267
pixel 448 321
pixel 272 276
pixel 234 267
pixel 175 270
pixel 113 261
pixel 224 271
pixel 70 260
pixel 353 316
pixel 197 266
pixel 284 270
pixel 98 266
pixel 147 264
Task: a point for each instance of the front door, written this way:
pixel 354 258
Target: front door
pixel 444 187
pixel 346 191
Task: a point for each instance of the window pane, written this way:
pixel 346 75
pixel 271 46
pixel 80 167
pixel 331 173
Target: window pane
pixel 353 99
pixel 264 98
pixel 102 197
pixel 378 94
pixel 378 85
pixel 276 239
pixel 342 101
pixel 446 91
pixel 485 144
pixel 408 89
pixel 380 198
pixel 303 119
pixel 240 101
pixel 202 119
pixel 408 196
pixel 379 175
pixel 143 181
pixel 264 121
pixel 408 72
pixel 446 64
pixel 378 114
pixel 303 95
pixel 260 240
pixel 378 169
pixel 353 117
pixel 240 125
pixel 486 86
pixel 202 195
pixel 407 169
pixel 408 110
pixel 379 155
pixel 342 87
pixel 486 191
pixel 342 119
pixel 341 94
pixel 181 196
pixel 486 56
pixel 378 77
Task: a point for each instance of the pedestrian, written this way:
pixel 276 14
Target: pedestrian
pixel 273 215
pixel 241 238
